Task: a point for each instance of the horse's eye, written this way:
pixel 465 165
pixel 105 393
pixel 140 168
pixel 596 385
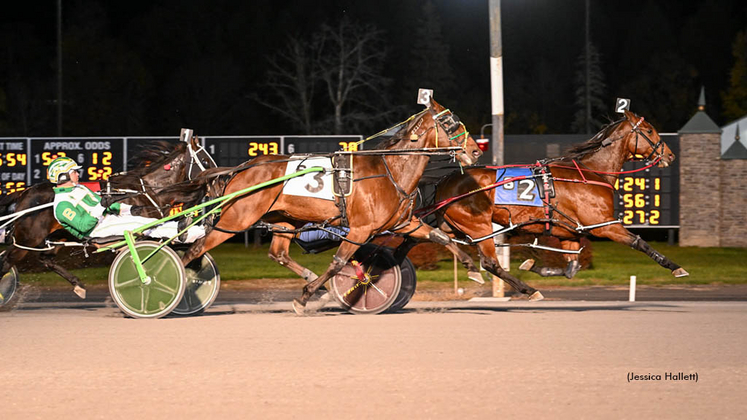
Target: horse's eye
pixel 649 131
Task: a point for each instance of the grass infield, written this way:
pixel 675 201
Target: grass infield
pixel 613 264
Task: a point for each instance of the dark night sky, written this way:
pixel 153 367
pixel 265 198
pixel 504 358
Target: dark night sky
pixel 658 53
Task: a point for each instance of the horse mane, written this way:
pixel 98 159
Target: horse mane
pixel 594 143
pixel 151 156
pixel 399 135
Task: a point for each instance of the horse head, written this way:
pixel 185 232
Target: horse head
pixel 175 163
pixel 643 141
pixel 439 127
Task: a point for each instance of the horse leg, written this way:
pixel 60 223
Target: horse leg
pixel 205 244
pixel 343 254
pixel 489 260
pixel 279 252
pixel 621 235
pixel 426 232
pixel 48 260
pixel 570 269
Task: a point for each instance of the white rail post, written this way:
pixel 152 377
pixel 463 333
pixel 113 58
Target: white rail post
pixel 631 296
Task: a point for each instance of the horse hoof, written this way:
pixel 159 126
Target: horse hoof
pixel 536 296
pixel 680 272
pixel 81 292
pixel 298 307
pixel 476 277
pixel 527 265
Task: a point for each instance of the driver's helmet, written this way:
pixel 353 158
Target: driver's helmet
pixel 58 171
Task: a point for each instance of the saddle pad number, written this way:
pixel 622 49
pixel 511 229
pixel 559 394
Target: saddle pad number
pixel 522 192
pixel 315 184
pixel 523 189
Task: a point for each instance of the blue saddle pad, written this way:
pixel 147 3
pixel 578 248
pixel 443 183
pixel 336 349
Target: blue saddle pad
pixel 522 192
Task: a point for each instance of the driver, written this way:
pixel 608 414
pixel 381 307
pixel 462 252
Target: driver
pixel 80 211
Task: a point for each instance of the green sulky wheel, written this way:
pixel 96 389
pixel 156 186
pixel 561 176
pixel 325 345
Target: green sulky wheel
pixel 370 285
pixel 162 291
pixel 203 285
pixel 8 288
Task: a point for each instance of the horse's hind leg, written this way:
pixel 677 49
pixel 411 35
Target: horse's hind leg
pixel 48 260
pixel 343 254
pixel 570 269
pixel 280 253
pixel 619 234
pixel 489 260
pixel 426 232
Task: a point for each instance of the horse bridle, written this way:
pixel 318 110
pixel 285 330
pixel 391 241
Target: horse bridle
pixel 450 123
pixel 194 159
pixel 654 147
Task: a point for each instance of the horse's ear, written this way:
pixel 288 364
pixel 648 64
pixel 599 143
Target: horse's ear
pixel 631 116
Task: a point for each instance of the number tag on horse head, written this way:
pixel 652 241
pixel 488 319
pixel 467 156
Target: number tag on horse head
pixel 425 96
pixel 450 122
pixel 622 105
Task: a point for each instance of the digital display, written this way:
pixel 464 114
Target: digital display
pixel 99 157
pixel 233 151
pixel 649 198
pixel 13 165
pixel 321 144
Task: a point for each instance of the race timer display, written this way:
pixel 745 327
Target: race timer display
pixel 647 198
pixel 100 158
pixel 14 162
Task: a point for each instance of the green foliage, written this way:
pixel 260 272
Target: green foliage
pixel 596 94
pixel 735 97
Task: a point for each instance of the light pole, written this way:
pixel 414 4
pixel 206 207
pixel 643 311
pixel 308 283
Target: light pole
pixel 59 68
pixel 496 144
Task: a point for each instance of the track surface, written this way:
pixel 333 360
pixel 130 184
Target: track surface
pixel 435 360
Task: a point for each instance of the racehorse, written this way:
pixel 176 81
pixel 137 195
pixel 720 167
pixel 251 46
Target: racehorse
pixel 385 185
pixel 584 199
pixel 157 167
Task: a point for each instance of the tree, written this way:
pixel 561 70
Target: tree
pixel 331 82
pixel 735 97
pixel 429 58
pixel 589 101
pixel 351 58
pixel 292 79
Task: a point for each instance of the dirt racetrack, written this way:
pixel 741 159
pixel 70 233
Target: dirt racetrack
pixel 443 360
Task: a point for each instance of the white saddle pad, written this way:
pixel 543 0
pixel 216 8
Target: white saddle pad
pixel 315 184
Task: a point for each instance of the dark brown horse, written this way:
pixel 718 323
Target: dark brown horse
pixel 159 166
pixel 583 201
pixel 382 197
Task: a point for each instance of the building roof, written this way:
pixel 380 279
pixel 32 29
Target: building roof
pixel 700 123
pixel 734 136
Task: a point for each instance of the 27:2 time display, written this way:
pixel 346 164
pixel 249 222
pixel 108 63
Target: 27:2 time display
pixel 640 199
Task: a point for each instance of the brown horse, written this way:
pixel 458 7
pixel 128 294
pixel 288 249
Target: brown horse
pixel 583 203
pixel 381 199
pixel 159 166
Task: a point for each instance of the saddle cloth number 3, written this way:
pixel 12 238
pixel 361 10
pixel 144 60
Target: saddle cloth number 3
pixel 315 184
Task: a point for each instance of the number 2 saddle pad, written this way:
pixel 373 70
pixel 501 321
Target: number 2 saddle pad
pixel 314 184
pixel 522 192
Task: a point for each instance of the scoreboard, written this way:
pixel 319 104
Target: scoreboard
pixel 99 157
pixel 650 198
pixel 24 161
pixel 13 165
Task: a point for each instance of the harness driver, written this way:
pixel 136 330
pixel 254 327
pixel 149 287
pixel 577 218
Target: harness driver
pixel 81 211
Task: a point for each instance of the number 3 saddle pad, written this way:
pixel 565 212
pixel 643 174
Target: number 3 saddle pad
pixel 315 184
pixel 522 192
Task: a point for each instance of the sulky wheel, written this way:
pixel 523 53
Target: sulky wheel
pixel 203 285
pixel 8 288
pixel 162 291
pixel 369 283
pixel 409 283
